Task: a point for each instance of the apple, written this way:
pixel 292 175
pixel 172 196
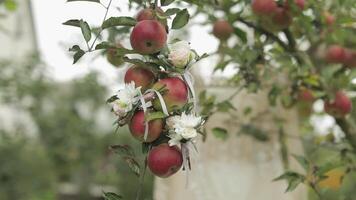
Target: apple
pixel 299 3
pixel 151 14
pixel 148 37
pixel 282 18
pixel 350 58
pixel 175 93
pixel 329 19
pixel 112 58
pixel 305 95
pixel 141 76
pixel 137 127
pixel 336 54
pixel 164 161
pixel 340 106
pixel 222 29
pixel 263 7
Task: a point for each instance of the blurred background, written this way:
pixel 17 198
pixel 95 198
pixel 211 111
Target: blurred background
pixel 55 128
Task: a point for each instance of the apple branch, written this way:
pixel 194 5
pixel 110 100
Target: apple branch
pixel 350 136
pixel 265 32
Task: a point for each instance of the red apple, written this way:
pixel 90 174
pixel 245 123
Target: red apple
pixel 164 160
pixel 263 7
pixel 137 127
pixel 149 14
pixel 222 29
pixel 282 18
pixel 175 93
pixel 336 54
pixel 299 3
pixel 113 58
pixel 329 19
pixel 306 95
pixel 340 106
pixel 350 58
pixel 148 37
pixel 141 76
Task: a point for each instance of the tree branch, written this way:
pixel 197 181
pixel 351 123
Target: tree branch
pixel 265 32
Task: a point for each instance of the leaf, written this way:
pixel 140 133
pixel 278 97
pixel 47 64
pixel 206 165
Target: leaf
pixel 255 132
pixel 220 133
pixel 10 5
pixel 166 2
pixel 302 161
pixel 84 26
pixel 172 11
pixel 293 179
pixel 154 115
pixel 133 165
pixel 123 150
pixel 112 196
pixel 118 21
pixel 134 61
pixel 72 22
pixel 78 53
pixel 240 34
pixel 273 94
pixel 103 45
pixel 225 106
pixel 96 1
pixel 181 19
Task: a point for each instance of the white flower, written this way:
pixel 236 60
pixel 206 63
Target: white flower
pixel 171 121
pixel 182 127
pixel 180 54
pixel 127 97
pixel 188 133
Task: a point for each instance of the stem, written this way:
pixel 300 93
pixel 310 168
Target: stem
pixel 101 29
pixel 350 136
pixel 292 46
pixel 142 180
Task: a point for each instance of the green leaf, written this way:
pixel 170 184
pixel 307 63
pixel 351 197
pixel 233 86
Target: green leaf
pixel 118 21
pixel 166 2
pixel 255 132
pixel 78 53
pixel 172 11
pixel 96 1
pixel 293 179
pixel 154 115
pixel 72 22
pixel 10 5
pixel 240 34
pixel 220 133
pixel 181 19
pixel 302 161
pixel 133 165
pixel 112 196
pixel 134 61
pixel 123 150
pixel 103 45
pixel 86 31
pixel 225 106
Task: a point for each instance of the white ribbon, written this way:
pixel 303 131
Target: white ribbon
pixel 161 100
pixel 189 79
pixel 144 107
pixel 187 155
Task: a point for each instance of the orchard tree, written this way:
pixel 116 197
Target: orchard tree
pixel 308 43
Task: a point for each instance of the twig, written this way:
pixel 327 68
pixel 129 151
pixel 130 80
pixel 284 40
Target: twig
pixel 142 180
pixel 101 29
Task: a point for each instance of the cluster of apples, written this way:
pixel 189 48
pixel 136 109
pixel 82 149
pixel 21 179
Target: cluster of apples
pixel 341 55
pixel 149 37
pixel 275 16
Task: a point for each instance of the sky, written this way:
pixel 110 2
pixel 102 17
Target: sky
pixel 54 39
